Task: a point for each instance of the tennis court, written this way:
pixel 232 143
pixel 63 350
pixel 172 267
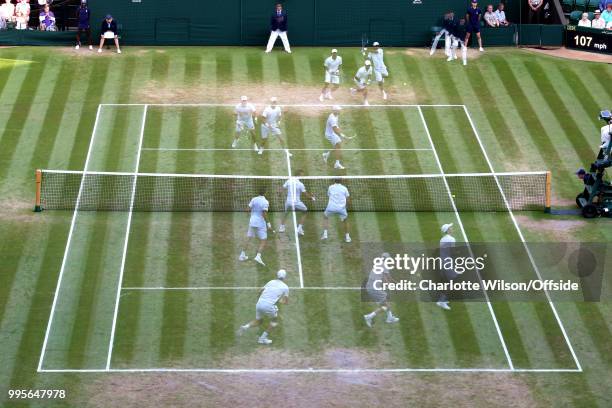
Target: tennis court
pixel 170 291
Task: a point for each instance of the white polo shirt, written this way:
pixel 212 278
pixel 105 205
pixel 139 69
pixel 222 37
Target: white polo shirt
pixel 273 291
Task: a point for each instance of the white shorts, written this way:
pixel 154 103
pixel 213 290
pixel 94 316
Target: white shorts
pixel 241 124
pixel 381 74
pixel 265 309
pixel 360 85
pixel 334 139
pixel 259 232
pixel 332 78
pixel 265 131
pixel 329 211
pixel 300 206
pixel 377 296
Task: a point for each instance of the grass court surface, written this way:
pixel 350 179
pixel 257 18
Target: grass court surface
pixel 164 291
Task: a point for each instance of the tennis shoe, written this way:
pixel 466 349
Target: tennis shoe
pixel 443 305
pixel 243 257
pixel 241 330
pixel 325 156
pixel 392 319
pixel 265 341
pixel 259 260
pixel 368 320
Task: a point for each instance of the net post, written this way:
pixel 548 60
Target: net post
pixel 37 206
pixel 548 191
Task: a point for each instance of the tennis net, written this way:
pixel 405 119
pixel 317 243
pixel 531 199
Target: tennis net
pixel 109 191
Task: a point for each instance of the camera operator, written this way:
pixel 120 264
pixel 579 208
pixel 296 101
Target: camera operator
pixel 606 134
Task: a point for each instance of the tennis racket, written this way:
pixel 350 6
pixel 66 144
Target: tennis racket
pixel 364 42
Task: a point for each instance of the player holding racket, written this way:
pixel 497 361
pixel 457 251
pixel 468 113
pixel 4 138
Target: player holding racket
pixel 334 135
pixel 332 75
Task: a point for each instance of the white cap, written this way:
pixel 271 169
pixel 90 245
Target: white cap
pixel 244 98
pixel 334 50
pixel 281 274
pixel 274 99
pixel 367 62
pixel 336 108
pixel 445 228
pixel 376 44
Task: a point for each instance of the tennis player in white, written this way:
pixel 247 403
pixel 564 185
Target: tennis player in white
pixel 379 296
pixel 332 75
pixel 380 69
pixel 271 117
pixel 362 79
pixel 258 226
pixel 334 135
pixel 339 198
pixel 274 292
pixel 245 120
pixel 295 188
pixel 447 243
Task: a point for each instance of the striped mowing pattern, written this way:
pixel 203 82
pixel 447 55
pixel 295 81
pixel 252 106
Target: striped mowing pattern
pixel 532 112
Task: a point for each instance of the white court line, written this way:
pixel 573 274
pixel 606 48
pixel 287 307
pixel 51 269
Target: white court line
pixel 163 149
pixel 315 370
pixel 161 288
pixel 450 196
pixel 67 250
pixel 289 105
pixel 295 233
pixel 520 233
pixel 125 241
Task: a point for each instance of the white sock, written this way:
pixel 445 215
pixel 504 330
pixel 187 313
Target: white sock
pixel 371 315
pixel 242 253
pixel 264 335
pixel 347 235
pixel 246 326
pixel 389 314
pixel 258 255
pixel 300 226
pixel 337 161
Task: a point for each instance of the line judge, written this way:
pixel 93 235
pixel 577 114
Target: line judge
pixel 278 28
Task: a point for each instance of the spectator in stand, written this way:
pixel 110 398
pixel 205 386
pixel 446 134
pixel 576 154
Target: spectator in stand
pixel 609 26
pixel 472 18
pixel 500 14
pixel 604 3
pixel 22 14
pixel 598 22
pixel 607 14
pixel 109 31
pixel 84 27
pixel 278 28
pixel 47 19
pixel 535 11
pixel 584 21
pixel 490 18
pixel 7 12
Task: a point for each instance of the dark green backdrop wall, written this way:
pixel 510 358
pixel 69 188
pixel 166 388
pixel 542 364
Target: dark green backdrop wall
pixel 311 22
